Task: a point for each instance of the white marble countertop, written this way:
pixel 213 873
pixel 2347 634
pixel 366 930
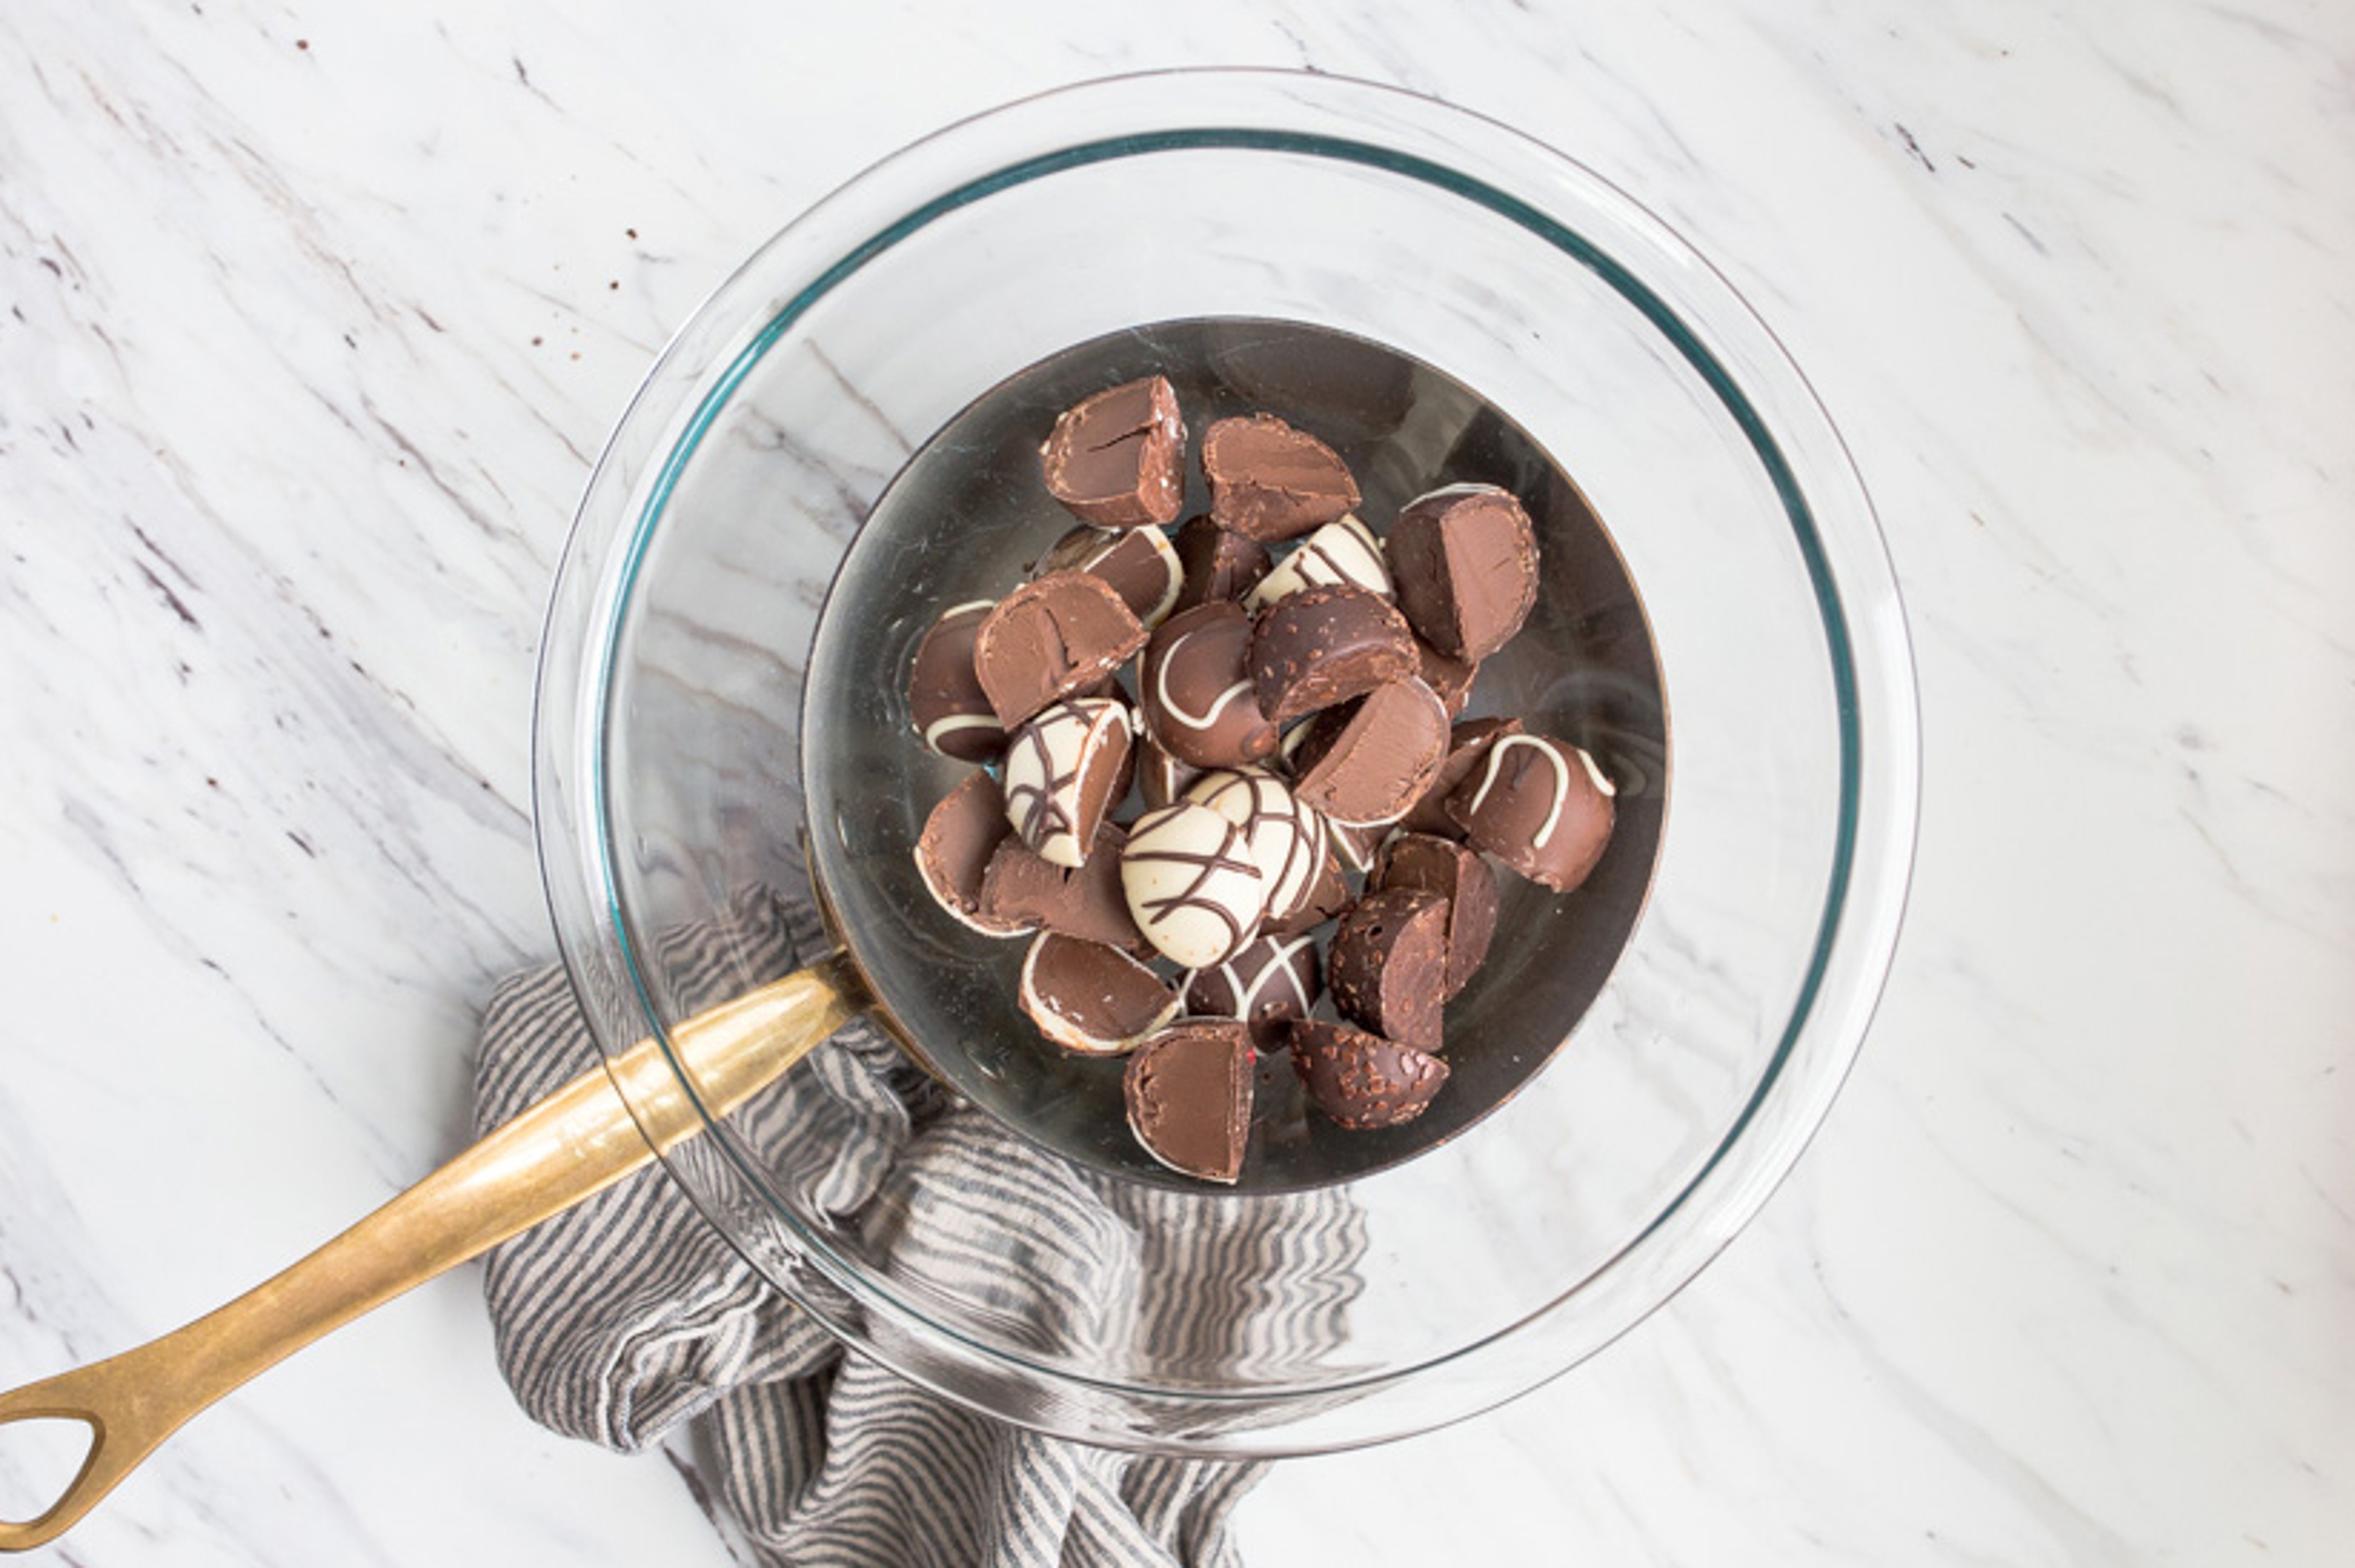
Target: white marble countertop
pixel 313 318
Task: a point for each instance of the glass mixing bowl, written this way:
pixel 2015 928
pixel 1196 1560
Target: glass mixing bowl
pixel 719 719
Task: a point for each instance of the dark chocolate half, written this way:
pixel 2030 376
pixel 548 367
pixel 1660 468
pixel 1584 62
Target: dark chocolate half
pixel 1138 563
pixel 1269 481
pixel 1321 646
pixel 1091 999
pixel 1442 867
pixel 1388 966
pixel 1189 1092
pixel 1053 637
pixel 1023 892
pixel 1539 805
pixel 1217 564
pixel 954 852
pixel 1361 1081
pixel 946 702
pixel 1464 559
pixel 1117 459
pixel 1380 756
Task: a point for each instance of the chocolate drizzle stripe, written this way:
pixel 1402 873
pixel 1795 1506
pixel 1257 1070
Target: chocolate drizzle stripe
pixel 1561 782
pixel 1188 897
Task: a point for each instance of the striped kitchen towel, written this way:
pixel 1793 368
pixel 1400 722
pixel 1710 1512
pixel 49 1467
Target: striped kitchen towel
pixel 623 1319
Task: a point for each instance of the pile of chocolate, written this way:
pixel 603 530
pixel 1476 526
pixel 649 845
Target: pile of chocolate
pixel 1294 741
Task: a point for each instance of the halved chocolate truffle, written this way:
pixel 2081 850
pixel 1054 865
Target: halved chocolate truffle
pixel 1377 757
pixel 945 700
pixel 1138 563
pixel 1218 564
pixel 1451 677
pixel 1117 459
pixel 952 853
pixel 1456 872
pixel 1091 999
pixel 1539 805
pixel 1341 551
pixel 1466 561
pixel 1267 985
pixel 1064 768
pixel 1269 481
pixel 1022 892
pixel 1189 1092
pixel 1201 705
pixel 1053 637
pixel 1388 966
pixel 1321 646
pixel 1362 1081
pixel 1285 838
pixel 1191 883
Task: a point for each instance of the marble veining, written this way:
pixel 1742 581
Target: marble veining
pixel 311 325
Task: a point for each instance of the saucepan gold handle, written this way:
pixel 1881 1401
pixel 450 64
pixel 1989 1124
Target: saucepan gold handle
pixel 567 1147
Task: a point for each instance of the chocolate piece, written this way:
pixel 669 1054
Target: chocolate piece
pixel 1218 564
pixel 1327 895
pixel 1322 646
pixel 945 700
pixel 1267 985
pixel 1160 777
pixel 1117 459
pixel 1022 892
pixel 1064 632
pixel 1467 743
pixel 1360 1079
pixel 1189 1092
pixel 1388 966
pixel 1091 999
pixel 1451 677
pixel 1137 562
pixel 1452 871
pixel 1381 754
pixel 1465 561
pixel 1539 805
pixel 1063 769
pixel 954 852
pixel 1343 551
pixel 1269 481
pixel 1357 842
pixel 1285 839
pixel 1201 705
pixel 1191 883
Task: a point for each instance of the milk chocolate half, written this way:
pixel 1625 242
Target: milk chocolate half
pixel 1380 755
pixel 1117 459
pixel 1200 703
pixel 1064 768
pixel 1091 999
pixel 1189 1092
pixel 1138 563
pixel 1267 985
pixel 1456 872
pixel 1539 805
pixel 1218 564
pixel 1465 562
pixel 1061 634
pixel 1388 966
pixel 1362 1081
pixel 952 853
pixel 1269 481
pixel 946 702
pixel 1321 646
pixel 1021 892
pixel 1467 743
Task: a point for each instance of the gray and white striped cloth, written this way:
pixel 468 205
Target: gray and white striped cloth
pixel 627 1316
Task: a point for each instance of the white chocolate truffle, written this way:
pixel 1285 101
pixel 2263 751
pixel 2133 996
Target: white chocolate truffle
pixel 1063 769
pixel 1191 883
pixel 1285 839
pixel 1344 551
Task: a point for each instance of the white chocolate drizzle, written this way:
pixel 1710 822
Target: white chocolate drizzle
pixel 1561 781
